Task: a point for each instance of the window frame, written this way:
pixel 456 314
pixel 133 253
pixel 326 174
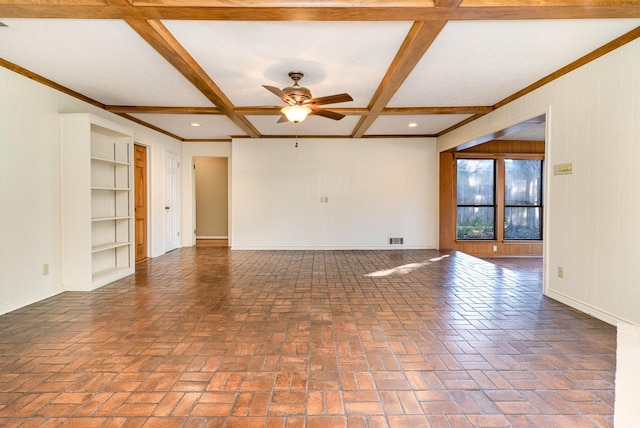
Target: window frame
pixel 499 197
pixel 494 206
pixel 539 205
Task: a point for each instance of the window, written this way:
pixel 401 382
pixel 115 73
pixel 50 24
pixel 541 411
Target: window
pixel 522 199
pixel 476 199
pixel 498 197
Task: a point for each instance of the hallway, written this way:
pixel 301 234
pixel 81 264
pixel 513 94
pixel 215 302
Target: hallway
pixel 207 336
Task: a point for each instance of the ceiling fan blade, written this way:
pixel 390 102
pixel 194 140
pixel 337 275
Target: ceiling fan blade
pixel 331 99
pixel 327 113
pixel 278 93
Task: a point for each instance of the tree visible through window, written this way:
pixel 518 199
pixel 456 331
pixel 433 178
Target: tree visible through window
pixel 476 199
pixel 482 211
pixel 522 199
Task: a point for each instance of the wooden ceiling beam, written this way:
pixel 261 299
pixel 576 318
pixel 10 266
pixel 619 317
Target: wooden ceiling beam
pixel 50 83
pixel 324 4
pixel 161 39
pixel 591 56
pixel 587 10
pixel 270 111
pixel 162 110
pixel 150 126
pixel 447 3
pixel 418 40
pixel 437 110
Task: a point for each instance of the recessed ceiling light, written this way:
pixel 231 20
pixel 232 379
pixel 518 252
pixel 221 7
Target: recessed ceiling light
pixel 412 125
pixel 195 124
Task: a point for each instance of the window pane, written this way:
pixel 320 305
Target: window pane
pixel 523 182
pixel 522 223
pixel 475 181
pixel 475 223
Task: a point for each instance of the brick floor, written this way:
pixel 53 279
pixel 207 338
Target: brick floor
pixel 211 337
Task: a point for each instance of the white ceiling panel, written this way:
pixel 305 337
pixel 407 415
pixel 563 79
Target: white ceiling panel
pixel 105 60
pixel 312 125
pixel 479 63
pixel 211 126
pixel 335 57
pixel 425 124
pixel 471 62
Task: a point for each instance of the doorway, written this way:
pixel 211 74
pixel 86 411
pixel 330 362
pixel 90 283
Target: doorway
pixel 140 201
pixel 211 201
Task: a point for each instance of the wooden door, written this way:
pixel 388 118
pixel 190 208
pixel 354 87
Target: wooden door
pixel 140 201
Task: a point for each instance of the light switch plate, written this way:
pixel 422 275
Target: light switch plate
pixel 563 168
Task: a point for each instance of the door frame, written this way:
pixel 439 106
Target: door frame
pixel 195 192
pixel 190 150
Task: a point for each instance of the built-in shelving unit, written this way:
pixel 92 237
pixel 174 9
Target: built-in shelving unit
pixel 98 245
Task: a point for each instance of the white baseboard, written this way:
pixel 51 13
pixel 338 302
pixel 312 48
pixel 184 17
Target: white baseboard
pixel 586 308
pixel 21 303
pixel 331 248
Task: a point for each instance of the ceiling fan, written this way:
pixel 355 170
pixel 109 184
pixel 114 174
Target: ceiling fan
pixel 300 103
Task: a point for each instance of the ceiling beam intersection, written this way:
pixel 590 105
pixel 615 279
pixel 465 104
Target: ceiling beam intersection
pixel 161 39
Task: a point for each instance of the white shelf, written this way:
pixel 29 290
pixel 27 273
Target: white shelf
pixel 109 161
pixel 112 189
pixel 110 218
pixel 98 235
pixel 108 246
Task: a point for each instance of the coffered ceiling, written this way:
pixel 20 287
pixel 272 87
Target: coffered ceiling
pixel 172 63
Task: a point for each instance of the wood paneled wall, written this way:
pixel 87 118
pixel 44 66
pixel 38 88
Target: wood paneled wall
pixel 448 203
pixel 508 146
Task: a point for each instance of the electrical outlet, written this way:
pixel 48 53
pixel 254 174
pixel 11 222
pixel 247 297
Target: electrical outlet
pixel 45 269
pixel 495 248
pixel 560 272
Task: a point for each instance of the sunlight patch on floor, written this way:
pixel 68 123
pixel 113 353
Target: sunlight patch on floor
pixel 404 269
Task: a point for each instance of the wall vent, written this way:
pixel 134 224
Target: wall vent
pixel 396 241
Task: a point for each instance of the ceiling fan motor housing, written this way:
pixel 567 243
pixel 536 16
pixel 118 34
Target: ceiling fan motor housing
pixel 296 92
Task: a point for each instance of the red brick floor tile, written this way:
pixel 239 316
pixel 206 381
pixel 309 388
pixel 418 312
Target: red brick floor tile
pixel 211 337
pixel 408 422
pixel 327 422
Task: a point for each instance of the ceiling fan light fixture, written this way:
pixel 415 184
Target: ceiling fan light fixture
pixel 296 113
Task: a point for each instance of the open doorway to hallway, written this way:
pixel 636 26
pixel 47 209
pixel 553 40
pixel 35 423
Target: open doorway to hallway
pixel 212 196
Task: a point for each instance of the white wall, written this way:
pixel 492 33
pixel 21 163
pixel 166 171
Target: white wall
pixel 30 189
pixel 376 189
pixel 592 215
